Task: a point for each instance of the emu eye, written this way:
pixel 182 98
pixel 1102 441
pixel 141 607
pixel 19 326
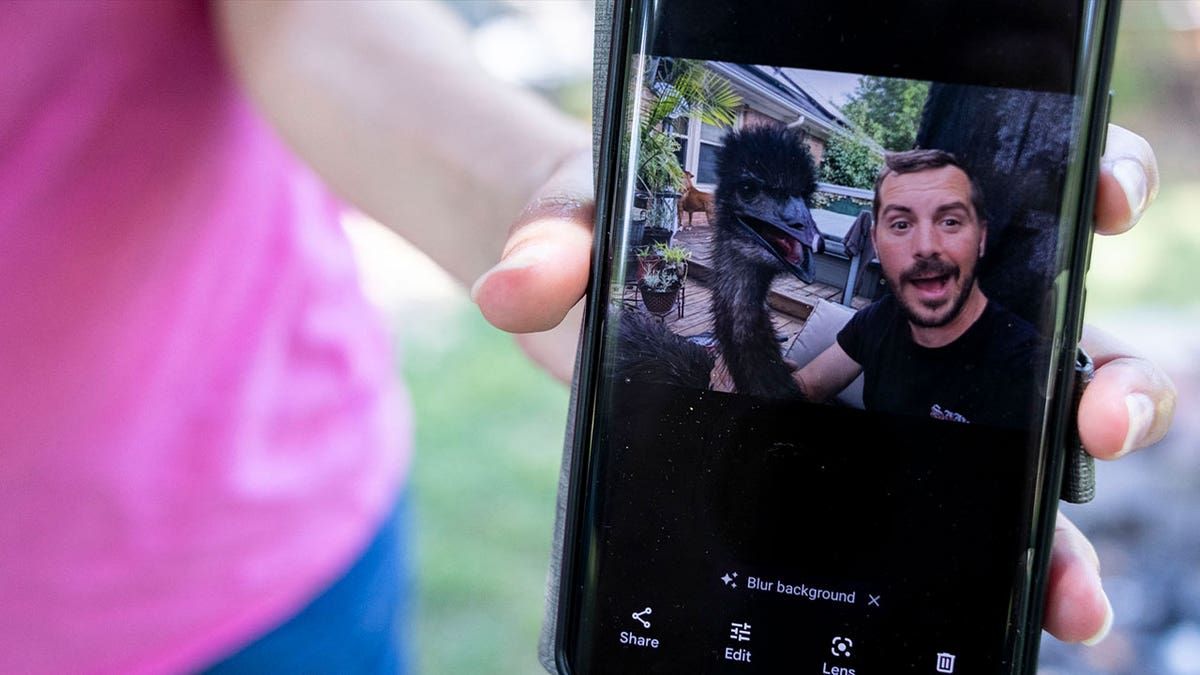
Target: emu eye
pixel 747 190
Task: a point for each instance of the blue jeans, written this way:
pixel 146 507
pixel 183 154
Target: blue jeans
pixel 355 626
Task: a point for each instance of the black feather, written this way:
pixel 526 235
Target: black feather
pixel 648 352
pixel 776 155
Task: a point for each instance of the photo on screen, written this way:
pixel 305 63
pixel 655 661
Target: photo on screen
pixel 862 241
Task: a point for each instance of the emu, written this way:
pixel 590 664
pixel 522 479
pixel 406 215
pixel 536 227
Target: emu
pixel 763 228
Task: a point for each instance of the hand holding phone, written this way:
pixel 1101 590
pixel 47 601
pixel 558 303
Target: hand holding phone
pixel 500 295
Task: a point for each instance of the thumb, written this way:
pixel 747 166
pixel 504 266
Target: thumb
pixel 1128 181
pixel 544 268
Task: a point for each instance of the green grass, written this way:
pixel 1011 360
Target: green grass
pixel 489 439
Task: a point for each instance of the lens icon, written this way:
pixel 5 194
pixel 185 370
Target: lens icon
pixel 841 646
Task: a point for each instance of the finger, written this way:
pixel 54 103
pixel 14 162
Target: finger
pixel 554 350
pixel 1077 610
pixel 544 268
pixel 1130 402
pixel 1128 181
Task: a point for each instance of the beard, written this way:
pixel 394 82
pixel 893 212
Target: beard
pixel 926 269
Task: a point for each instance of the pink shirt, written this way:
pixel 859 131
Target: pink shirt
pixel 198 426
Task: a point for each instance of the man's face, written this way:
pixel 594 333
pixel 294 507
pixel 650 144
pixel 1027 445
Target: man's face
pixel 929 240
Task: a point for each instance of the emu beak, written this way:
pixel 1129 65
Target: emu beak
pixel 791 236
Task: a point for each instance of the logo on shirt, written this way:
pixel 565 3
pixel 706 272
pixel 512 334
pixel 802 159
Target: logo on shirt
pixel 937 412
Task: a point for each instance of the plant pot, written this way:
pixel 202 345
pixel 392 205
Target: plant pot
pixel 658 302
pixel 652 235
pixel 632 267
pixel 637 227
pixel 664 211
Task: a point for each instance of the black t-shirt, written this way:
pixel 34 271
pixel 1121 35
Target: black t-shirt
pixel 986 376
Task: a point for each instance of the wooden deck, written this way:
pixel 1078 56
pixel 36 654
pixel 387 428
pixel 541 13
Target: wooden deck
pixel 792 300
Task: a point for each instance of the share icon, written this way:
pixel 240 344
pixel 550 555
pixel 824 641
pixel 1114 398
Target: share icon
pixel 638 616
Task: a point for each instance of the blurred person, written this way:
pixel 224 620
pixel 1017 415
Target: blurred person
pixel 202 439
pixel 203 445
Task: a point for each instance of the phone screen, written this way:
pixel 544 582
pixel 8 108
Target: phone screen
pixel 844 255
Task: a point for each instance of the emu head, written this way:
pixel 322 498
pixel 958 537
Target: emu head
pixel 765 179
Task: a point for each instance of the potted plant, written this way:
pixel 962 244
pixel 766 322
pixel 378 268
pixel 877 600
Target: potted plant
pixel 648 261
pixel 659 290
pixel 664 272
pixel 659 178
pixel 673 257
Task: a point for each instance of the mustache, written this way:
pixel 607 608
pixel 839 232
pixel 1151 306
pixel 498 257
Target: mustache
pixel 927 268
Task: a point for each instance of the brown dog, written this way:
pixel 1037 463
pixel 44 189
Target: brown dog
pixel 694 200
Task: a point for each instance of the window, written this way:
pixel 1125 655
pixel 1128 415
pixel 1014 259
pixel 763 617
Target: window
pixel 706 158
pixel 698 146
pixel 678 128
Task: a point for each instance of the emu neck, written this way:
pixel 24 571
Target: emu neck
pixel 743 325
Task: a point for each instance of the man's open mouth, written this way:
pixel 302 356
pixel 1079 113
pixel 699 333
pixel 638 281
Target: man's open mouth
pixel 784 243
pixel 932 284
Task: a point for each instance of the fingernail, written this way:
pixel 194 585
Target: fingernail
pixel 1104 629
pixel 1141 414
pixel 525 256
pixel 1132 178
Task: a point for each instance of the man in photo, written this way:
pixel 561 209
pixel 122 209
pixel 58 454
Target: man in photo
pixel 935 346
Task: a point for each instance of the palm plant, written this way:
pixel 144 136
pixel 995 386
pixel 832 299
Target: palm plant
pixel 686 87
pixel 678 88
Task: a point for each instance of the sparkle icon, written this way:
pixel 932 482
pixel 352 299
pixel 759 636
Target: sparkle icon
pixel 730 579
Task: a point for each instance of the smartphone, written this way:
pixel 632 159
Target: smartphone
pixel 825 379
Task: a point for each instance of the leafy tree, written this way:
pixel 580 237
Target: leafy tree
pixel 851 162
pixel 888 110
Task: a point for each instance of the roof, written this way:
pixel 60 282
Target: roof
pixel 770 90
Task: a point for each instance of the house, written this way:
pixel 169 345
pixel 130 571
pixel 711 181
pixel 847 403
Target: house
pixel 772 95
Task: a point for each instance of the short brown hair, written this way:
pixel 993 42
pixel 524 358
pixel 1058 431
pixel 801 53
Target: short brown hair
pixel 912 161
